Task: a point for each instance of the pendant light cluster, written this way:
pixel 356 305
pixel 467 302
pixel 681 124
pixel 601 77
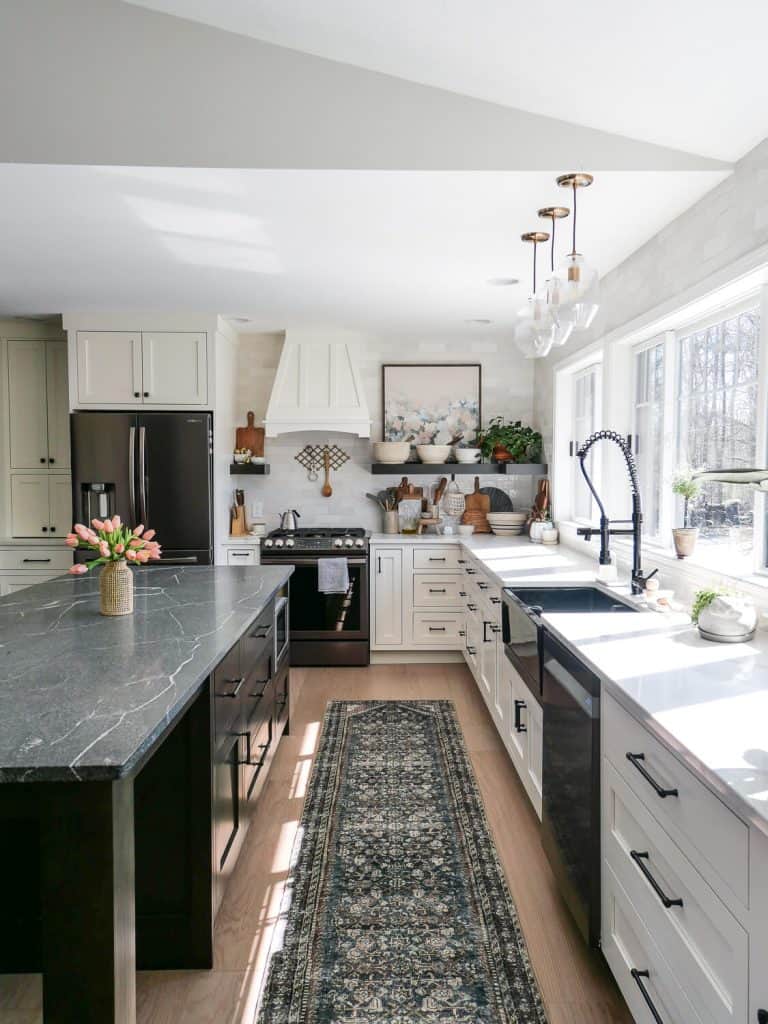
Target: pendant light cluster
pixel 568 300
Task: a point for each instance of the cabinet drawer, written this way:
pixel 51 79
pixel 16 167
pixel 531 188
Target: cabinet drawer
pixel 628 947
pixel 703 943
pixel 435 557
pixel 440 629
pixel 437 591
pixel 238 556
pixel 227 700
pixel 51 560
pixel 709 834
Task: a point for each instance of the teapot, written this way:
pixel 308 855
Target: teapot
pixel 288 519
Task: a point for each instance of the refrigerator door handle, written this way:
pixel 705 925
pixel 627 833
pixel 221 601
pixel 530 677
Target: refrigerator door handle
pixel 143 474
pixel 132 474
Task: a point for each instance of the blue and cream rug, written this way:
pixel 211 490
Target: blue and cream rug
pixel 397 908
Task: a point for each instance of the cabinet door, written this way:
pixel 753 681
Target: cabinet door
pixel 174 368
pixel 57 404
pixel 516 732
pixel 487 661
pixel 26 392
pixel 60 504
pixel 108 368
pixel 30 512
pixel 535 753
pixel 388 597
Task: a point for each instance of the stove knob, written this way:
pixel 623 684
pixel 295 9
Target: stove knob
pixel 290 542
pixel 267 543
pixel 359 543
pixel 348 543
pixel 338 542
pixel 279 542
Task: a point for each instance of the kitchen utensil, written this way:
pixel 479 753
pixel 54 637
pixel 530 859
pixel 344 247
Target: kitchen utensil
pixel 500 500
pixel 476 508
pixel 408 490
pixel 377 499
pixel 440 490
pixel 250 437
pixel 433 453
pixel 387 498
pixel 237 524
pixel 326 489
pixel 288 519
pixel 312 473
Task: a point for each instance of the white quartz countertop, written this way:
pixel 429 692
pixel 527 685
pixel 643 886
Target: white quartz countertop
pixel 706 701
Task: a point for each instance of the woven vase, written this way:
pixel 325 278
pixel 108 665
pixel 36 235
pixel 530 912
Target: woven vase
pixel 116 589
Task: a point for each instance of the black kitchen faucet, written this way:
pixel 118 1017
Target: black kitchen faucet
pixel 639 579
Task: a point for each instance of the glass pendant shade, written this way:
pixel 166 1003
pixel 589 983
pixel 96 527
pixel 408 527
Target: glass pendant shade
pixel 563 315
pixel 586 306
pixel 535 330
pixel 577 276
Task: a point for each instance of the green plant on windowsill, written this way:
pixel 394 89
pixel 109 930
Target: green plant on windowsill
pixel 523 443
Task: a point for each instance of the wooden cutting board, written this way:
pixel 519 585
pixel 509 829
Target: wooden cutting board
pixel 476 508
pixel 408 490
pixel 250 437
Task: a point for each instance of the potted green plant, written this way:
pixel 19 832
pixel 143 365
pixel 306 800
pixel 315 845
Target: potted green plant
pixel 505 442
pixel 685 537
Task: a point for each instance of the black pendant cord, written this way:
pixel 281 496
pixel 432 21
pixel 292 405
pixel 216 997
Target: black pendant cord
pixel 535 243
pixel 552 246
pixel 573 247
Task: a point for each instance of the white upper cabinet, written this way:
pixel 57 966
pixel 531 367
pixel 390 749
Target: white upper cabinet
pixel 38 422
pixel 174 368
pixel 109 367
pixel 129 368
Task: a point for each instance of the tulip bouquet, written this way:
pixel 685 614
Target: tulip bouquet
pixel 114 542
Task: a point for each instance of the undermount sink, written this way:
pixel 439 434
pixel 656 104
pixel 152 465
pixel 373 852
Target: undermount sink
pixel 570 599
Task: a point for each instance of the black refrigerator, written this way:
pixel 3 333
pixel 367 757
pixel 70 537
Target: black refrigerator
pixel 152 468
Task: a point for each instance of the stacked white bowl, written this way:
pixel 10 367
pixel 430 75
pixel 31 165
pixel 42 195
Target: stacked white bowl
pixel 507 524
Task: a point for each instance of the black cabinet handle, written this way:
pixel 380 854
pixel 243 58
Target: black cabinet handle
pixel 472 607
pixel 483 586
pixel 638 858
pixel 519 727
pixel 51 461
pixel 237 683
pixel 248 756
pixel 261 633
pixel 146 394
pixel 378 569
pixel 41 560
pixel 53 529
pixel 471 571
pixel 431 559
pixel 437 590
pixel 635 759
pixel 137 394
pixel 462 593
pixel 495 600
pixel 461 561
pixel 44 529
pixel 462 632
pixel 437 629
pixel 486 639
pixel 638 976
pixel 42 461
pixel 471 650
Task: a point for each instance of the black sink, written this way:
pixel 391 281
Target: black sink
pixel 570 599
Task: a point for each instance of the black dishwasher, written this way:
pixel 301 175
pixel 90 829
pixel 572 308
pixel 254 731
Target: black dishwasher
pixel 571 782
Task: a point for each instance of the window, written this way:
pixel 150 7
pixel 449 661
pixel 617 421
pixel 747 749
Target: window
pixel 717 402
pixel 648 432
pixel 586 398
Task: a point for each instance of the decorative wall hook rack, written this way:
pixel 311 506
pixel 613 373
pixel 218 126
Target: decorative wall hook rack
pixel 329 457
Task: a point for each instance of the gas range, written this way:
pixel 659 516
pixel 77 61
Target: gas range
pixel 317 540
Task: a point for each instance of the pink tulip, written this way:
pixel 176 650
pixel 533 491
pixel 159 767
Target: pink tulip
pixel 82 531
pixel 135 543
pixel 108 527
pixel 119 548
pixel 117 522
pixel 97 524
pixel 104 549
pixel 138 530
pixel 149 535
pixel 142 556
pixel 131 555
pixel 72 540
pixel 78 570
pixel 93 539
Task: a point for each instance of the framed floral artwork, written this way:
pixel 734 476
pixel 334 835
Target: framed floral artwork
pixel 431 402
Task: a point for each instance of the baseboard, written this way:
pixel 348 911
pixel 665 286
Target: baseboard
pixel 416 657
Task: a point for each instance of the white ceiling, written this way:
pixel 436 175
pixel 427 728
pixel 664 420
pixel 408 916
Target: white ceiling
pixel 689 74
pixel 405 251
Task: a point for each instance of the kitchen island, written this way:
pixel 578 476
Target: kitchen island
pixel 129 749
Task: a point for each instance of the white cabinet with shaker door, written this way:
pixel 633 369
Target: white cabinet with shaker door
pixel 38 411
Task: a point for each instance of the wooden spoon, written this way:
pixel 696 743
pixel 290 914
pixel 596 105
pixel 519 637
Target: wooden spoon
pixel 327 490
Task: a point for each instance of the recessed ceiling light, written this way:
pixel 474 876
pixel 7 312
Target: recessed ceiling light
pixel 503 282
pixel 239 319
pixel 478 320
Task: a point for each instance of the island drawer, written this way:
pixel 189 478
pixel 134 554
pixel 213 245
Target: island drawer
pixel 435 557
pixel 702 941
pixel 437 591
pixel 440 629
pixel 38 558
pixel 228 683
pixel 709 834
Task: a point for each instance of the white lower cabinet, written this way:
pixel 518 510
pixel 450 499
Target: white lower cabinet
pixel 13 582
pixel 522 733
pixel 387 597
pixel 41 505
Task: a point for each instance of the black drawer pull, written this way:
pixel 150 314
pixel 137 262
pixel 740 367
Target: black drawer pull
pixel 519 727
pixel 638 858
pixel 462 632
pixel 461 561
pixel 635 759
pixel 437 590
pixel 472 607
pixel 638 976
pixel 471 572
pixel 237 683
pixel 472 650
pixel 249 758
pixel 261 633
pixel 437 629
pixel 41 560
pixel 483 586
pixel 495 600
pixel 431 559
pixel 462 593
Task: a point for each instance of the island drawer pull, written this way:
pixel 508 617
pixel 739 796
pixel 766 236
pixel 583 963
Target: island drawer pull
pixel 472 607
pixel 638 858
pixel 41 560
pixel 237 683
pixel 483 586
pixel 638 976
pixel 495 600
pixel 519 727
pixel 635 760
pixel 472 650
pixel 462 593
pixel 471 572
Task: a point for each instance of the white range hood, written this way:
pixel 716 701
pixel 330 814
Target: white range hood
pixel 317 386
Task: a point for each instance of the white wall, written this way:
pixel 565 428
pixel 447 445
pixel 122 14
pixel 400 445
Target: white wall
pixel 507 390
pixel 728 223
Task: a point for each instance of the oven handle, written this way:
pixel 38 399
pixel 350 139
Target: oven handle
pixel 287 560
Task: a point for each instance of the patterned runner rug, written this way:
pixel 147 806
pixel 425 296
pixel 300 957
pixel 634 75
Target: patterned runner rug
pixel 398 911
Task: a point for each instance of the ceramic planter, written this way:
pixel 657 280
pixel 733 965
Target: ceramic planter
pixel 501 454
pixel 728 620
pixel 685 540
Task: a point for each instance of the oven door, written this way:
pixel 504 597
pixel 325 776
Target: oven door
pixel 316 616
pixel 521 632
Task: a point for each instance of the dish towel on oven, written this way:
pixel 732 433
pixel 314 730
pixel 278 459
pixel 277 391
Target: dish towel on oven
pixel 332 575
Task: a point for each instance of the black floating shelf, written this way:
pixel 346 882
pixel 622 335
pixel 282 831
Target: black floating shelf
pixel 468 468
pixel 249 469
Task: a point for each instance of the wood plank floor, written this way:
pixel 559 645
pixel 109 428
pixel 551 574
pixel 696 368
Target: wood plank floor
pixel 575 984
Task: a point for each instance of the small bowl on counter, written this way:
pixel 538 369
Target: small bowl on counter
pixel 433 453
pixel 391 451
pixel 466 529
pixel 466 455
